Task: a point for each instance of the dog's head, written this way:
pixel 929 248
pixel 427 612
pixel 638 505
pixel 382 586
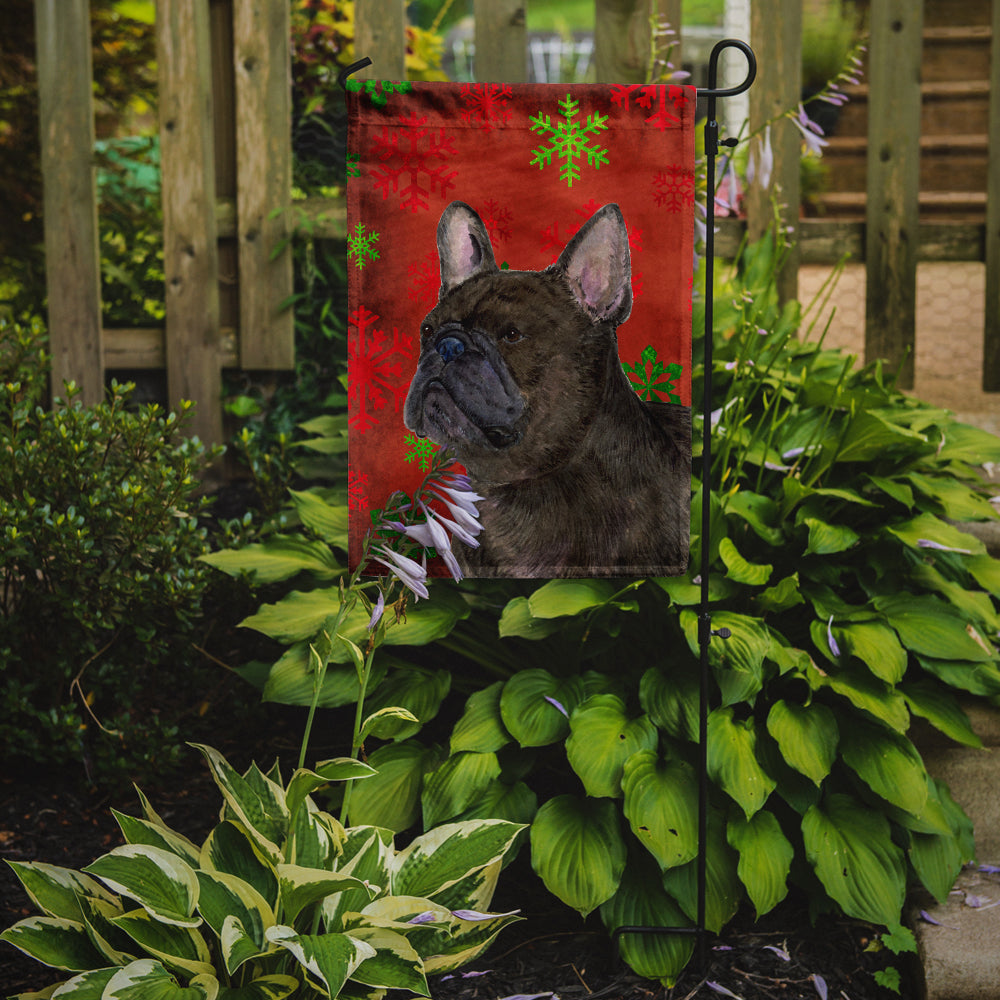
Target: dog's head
pixel 514 364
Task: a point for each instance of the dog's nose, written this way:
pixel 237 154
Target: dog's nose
pixel 449 348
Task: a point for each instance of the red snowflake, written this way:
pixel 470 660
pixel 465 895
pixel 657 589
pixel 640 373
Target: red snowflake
pixel 673 188
pixel 497 220
pixel 412 162
pixel 486 104
pixel 374 368
pixel 425 281
pixel 357 491
pixel 649 94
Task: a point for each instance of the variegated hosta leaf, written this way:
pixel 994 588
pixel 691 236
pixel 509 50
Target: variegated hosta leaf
pixel 475 891
pixel 602 737
pixel 304 782
pixel 661 799
pixel 329 959
pixel 86 986
pixel 274 987
pixel 441 857
pixel 850 847
pixel 230 849
pixel 642 902
pixel 141 831
pixel 116 946
pixel 807 736
pixel 256 801
pixel 177 947
pixel 578 851
pixel 225 897
pixel 315 838
pixel 456 784
pixel 158 880
pixel 765 858
pixel 367 853
pixel 56 891
pixel 395 964
pixel 300 887
pixel 466 941
pixel 147 979
pixel 732 760
pixel 54 941
pixel 481 727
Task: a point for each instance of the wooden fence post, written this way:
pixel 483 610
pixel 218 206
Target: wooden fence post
pixel 72 255
pixel 262 61
pixel 501 41
pixel 380 34
pixel 621 40
pixel 776 35
pixel 892 215
pixel 991 331
pixel 190 253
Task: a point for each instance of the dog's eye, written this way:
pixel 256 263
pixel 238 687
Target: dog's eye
pixel 426 330
pixel 512 336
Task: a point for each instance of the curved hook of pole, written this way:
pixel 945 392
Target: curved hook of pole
pixel 713 69
pixel 349 70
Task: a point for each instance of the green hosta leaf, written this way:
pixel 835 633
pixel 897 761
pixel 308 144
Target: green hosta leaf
pixel 481 728
pixel 438 859
pixel 928 528
pixel 260 806
pixel 527 709
pixel 559 598
pixel 395 964
pixel 180 948
pixel 54 941
pixel 141 831
pixel 976 678
pixel 783 595
pixel 391 798
pixel 456 784
pixel 517 620
pixel 274 987
pixel 986 572
pixel 876 646
pixel 732 760
pixel 415 689
pixel 301 887
pixel 330 959
pixel 850 848
pixel 327 520
pixel 865 692
pixel 893 488
pixel 578 851
pixel 932 628
pixel 671 699
pixel 937 859
pixel 684 592
pixel 888 763
pixel 292 680
pixel 739 569
pixel 159 881
pixel 279 558
pixel 661 798
pixel 738 661
pixel 147 979
pixel 765 858
pixel 723 889
pixel 973 604
pixel 941 709
pixel 758 511
pixel 304 782
pixel 641 901
pixel 827 539
pixel 807 736
pixel 870 436
pixel 602 738
pixel 56 891
pixel 230 849
pixel 387 723
pixel 516 803
pixel 226 898
pixel 965 443
pixel 957 501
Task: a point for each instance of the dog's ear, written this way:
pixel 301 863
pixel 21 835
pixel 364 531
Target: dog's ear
pixel 464 246
pixel 598 265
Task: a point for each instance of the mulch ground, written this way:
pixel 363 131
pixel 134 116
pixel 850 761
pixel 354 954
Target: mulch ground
pixel 550 953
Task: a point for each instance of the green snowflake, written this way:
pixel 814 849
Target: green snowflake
pixel 421 450
pixel 353 165
pixel 361 245
pixel 659 378
pixel 569 141
pixel 378 91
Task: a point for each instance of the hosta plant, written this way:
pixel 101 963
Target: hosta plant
pixel 279 900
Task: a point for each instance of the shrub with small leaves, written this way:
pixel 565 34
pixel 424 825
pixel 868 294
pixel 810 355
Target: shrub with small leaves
pixel 99 571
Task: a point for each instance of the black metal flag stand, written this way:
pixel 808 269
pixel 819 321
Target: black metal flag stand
pixel 705 631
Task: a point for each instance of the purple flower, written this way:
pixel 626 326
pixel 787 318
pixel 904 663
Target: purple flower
pixel 427 917
pixel 409 571
pixel 761 163
pixel 927 543
pixel 820 983
pixel 475 915
pixel 780 952
pixel 558 705
pixel 811 132
pixel 377 611
pixel 831 642
pixel 719 988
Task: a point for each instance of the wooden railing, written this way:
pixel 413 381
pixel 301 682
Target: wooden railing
pixel 226 160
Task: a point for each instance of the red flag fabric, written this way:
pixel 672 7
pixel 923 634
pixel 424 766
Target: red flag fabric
pixel 520 272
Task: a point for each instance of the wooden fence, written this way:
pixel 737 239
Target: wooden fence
pixel 226 161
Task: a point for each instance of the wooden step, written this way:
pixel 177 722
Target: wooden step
pixel 957 206
pixel 956 53
pixel 940 13
pixel 944 103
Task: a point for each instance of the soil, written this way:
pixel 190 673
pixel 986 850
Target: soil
pixel 551 952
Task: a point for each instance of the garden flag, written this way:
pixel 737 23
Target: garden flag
pixel 520 275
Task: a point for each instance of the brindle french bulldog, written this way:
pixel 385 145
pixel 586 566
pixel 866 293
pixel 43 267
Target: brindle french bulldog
pixel 519 376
